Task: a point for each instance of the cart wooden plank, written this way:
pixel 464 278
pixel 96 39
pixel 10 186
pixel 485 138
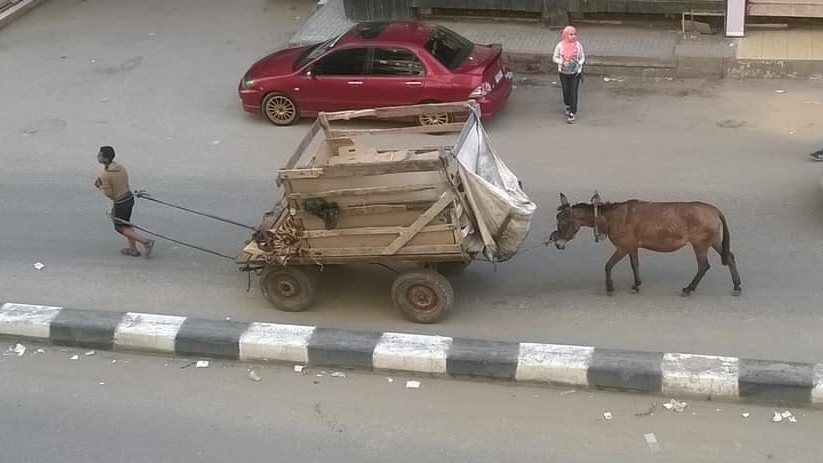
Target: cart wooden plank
pixel 411 258
pixel 440 128
pixel 323 184
pixel 301 148
pixel 394 215
pixel 377 241
pixel 360 170
pixel 365 191
pixel 372 231
pixel 429 249
pixel 419 224
pixel 392 112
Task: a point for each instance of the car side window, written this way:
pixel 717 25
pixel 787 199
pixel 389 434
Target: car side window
pixel 396 62
pixel 342 63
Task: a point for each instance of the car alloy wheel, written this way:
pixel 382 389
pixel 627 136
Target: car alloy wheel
pixel 280 109
pixel 434 119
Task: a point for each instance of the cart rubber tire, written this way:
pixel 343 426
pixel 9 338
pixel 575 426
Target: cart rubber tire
pixel 424 296
pixel 449 269
pixel 290 289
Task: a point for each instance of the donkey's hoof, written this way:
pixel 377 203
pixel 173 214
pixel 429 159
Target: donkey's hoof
pixel 686 292
pixel 736 291
pixel 635 289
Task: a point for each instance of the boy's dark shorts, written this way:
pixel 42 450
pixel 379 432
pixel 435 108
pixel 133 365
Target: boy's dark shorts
pixel 122 211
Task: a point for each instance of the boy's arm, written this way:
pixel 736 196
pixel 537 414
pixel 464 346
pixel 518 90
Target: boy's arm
pixel 105 186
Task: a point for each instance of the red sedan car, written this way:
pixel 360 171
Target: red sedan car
pixel 376 64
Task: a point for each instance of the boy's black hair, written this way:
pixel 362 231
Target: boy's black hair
pixel 107 152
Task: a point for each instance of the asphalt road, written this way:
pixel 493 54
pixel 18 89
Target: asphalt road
pixel 117 407
pixel 158 81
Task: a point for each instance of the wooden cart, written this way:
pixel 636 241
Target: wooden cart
pixel 346 201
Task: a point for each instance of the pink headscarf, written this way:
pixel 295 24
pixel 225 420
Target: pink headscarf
pixel 569 51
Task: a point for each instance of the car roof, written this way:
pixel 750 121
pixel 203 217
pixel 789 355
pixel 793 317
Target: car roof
pixel 397 32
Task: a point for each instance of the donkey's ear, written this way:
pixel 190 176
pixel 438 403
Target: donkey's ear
pixel 563 200
pixel 596 198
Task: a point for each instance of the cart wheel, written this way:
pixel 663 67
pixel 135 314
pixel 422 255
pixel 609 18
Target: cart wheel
pixel 449 269
pixel 424 296
pixel 289 289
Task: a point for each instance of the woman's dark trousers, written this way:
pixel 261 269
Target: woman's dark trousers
pixel 570 84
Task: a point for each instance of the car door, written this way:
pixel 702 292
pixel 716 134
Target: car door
pixel 336 81
pixel 396 77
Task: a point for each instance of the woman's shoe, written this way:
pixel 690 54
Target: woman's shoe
pixel 570 119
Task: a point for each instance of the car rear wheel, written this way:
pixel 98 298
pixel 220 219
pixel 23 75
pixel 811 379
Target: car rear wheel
pixel 280 109
pixel 434 119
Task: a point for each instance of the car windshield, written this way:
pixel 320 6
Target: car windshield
pixel 315 51
pixel 449 47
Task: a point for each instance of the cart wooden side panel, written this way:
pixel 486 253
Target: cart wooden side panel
pixel 377 212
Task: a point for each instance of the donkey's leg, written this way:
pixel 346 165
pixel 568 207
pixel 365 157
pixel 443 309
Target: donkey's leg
pixel 633 258
pixel 618 255
pixel 732 269
pixel 701 252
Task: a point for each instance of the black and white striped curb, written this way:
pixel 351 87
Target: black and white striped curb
pixel 702 376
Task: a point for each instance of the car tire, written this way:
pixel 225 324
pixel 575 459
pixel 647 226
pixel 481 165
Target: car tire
pixel 280 109
pixel 435 119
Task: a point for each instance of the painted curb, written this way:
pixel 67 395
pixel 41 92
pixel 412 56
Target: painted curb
pixel 693 375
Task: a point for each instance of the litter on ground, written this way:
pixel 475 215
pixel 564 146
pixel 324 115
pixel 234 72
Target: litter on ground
pixel 338 374
pixel 745 414
pixel 654 446
pixel 675 405
pixel 413 384
pixel 254 376
pixel 298 368
pixel 607 415
pixel 18 349
pixel 39 266
pixel 202 364
pixel 786 414
pixel 75 357
pixel 91 352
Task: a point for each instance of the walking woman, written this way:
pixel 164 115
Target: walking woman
pixel 569 57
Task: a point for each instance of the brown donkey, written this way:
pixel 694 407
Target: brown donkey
pixel 661 227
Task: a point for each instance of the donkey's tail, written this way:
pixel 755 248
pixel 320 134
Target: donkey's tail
pixel 725 245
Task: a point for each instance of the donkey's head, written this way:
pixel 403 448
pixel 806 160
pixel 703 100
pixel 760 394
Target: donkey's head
pixel 571 218
pixel 567 226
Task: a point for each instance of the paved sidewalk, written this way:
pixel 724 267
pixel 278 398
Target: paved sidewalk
pixel 626 50
pixel 689 375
